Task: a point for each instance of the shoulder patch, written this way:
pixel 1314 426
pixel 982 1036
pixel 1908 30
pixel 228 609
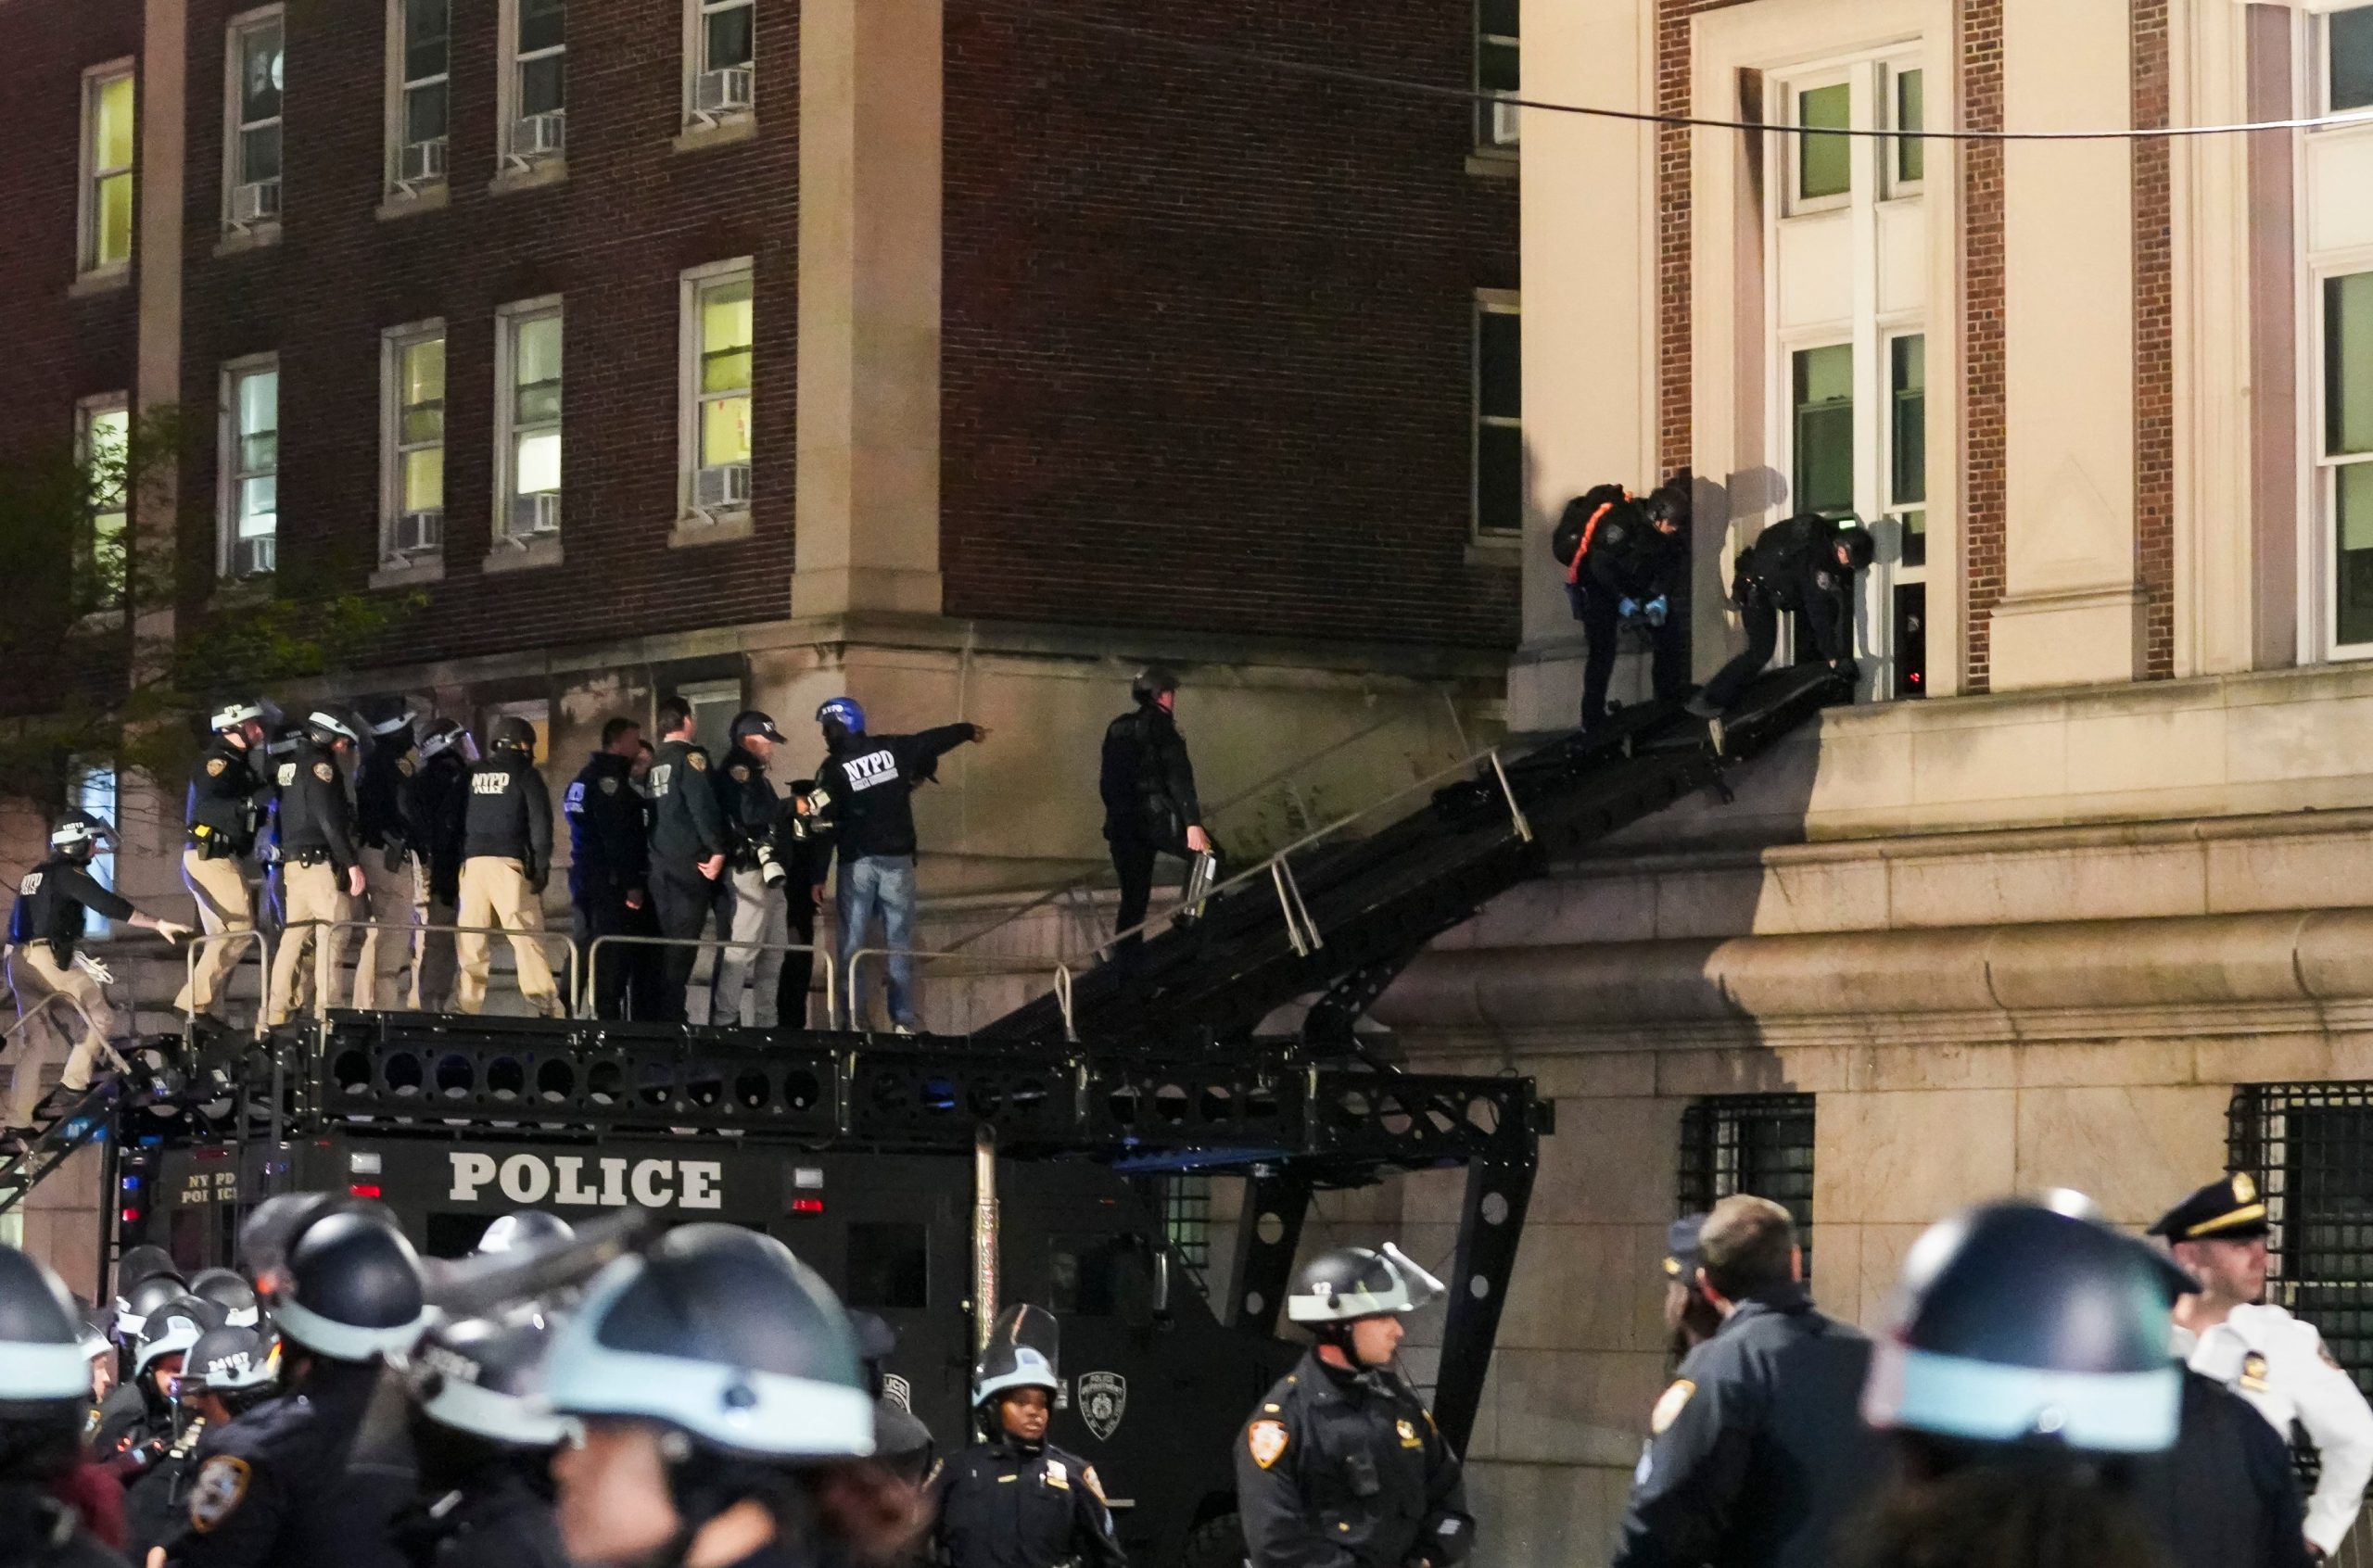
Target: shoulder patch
pixel 696 761
pixel 609 786
pixel 2254 1372
pixel 741 775
pixel 1669 1406
pixel 220 1486
pixel 287 775
pixel 215 766
pixel 1087 1475
pixel 323 772
pixel 407 765
pixel 1266 1439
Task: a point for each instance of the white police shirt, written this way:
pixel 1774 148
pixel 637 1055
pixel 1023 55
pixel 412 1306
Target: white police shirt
pixel 2279 1365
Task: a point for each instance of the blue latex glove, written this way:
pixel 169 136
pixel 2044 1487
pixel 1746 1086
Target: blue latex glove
pixel 1626 608
pixel 1655 610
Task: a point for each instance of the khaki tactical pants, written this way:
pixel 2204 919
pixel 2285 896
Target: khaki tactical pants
pixel 316 897
pixel 495 892
pixel 383 954
pixel 36 975
pixel 224 905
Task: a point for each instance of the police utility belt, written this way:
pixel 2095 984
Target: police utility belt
pixel 215 843
pixel 304 856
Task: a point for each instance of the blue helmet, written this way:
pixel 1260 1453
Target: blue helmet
pixel 845 709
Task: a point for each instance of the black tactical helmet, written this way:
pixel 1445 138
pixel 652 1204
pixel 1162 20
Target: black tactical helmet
pixel 42 1369
pixel 485 1379
pixel 1352 1282
pixel 722 1335
pixel 750 721
pixel 1151 682
pixel 132 1313
pixel 442 735
pixel 172 1329
pixel 228 1291
pixel 81 830
pixel 529 1228
pixel 2022 1324
pixel 324 727
pixel 1860 545
pixel 273 1224
pixel 229 1362
pixel 355 1291
pixel 512 733
pixel 137 1264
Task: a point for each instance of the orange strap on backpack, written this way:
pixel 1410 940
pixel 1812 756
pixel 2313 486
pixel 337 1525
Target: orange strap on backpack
pixel 1574 567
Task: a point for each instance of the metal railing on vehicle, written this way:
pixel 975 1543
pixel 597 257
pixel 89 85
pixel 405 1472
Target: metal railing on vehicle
pixel 230 939
pixel 995 963
pixel 584 997
pixel 57 998
pixel 543 939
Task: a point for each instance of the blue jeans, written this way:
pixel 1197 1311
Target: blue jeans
pixel 888 881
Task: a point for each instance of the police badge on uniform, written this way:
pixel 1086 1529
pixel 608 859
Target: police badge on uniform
pixel 323 772
pixel 218 1491
pixel 1408 1430
pixel 609 786
pixel 2254 1372
pixel 214 766
pixel 1103 1398
pixel 741 775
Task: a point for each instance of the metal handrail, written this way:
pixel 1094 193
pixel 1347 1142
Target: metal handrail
pixel 189 974
pixel 1010 965
pixel 329 930
pixel 53 999
pixel 1280 873
pixel 831 973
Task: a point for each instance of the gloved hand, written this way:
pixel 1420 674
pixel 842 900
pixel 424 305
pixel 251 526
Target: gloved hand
pixel 1626 608
pixel 171 930
pixel 95 969
pixel 1655 610
pixel 537 877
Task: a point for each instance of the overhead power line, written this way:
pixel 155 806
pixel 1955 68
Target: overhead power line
pixel 1316 70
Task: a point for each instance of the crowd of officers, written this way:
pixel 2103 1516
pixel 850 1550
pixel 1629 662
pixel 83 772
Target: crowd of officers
pixel 700 1399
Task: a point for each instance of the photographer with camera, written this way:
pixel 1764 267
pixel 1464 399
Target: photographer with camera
pixel 1625 557
pixel 749 907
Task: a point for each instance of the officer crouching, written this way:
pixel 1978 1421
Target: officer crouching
pixel 1016 1501
pixel 1342 1463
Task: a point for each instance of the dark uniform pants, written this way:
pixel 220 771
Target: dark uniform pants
pixel 1133 858
pixel 1761 618
pixel 1603 637
pixel 798 968
pixel 682 898
pixel 599 915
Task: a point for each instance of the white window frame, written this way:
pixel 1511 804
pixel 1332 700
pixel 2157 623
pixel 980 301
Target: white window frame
pixel 87 413
pixel 1487 302
pixel 694 283
pixel 724 698
pixel 696 62
pixel 506 89
pixel 87 262
pixel 233 31
pixel 400 87
pixel 228 453
pixel 507 430
pixel 2322 467
pixel 1792 90
pixel 393 449
pixel 1893 185
pixel 2319 621
pixel 1487 139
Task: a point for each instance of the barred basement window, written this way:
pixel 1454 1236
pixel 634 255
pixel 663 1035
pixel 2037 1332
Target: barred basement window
pixel 2310 1146
pixel 1187 1219
pixel 1756 1143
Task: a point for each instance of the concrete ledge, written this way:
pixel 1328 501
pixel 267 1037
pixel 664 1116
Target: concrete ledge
pixel 691 532
pixel 696 137
pixel 100 282
pixel 542 172
pixel 544 551
pixel 429 199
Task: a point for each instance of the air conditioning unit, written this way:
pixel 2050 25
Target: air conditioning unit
pixel 255 202
pixel 254 557
pixel 1505 118
pixel 533 515
pixel 416 533
pixel 539 136
pixel 423 163
pixel 724 91
pixel 723 487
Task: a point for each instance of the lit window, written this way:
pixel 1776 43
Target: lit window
pixel 536 80
pixel 107 141
pixel 2347 457
pixel 1824 162
pixel 103 442
pixel 1496 63
pixel 1823 408
pixel 414 477
pixel 95 792
pixel 1499 414
pixel 2348 54
pixel 251 182
pixel 251 467
pixel 717 322
pixel 528 498
pixel 1911 161
pixel 722 44
pixel 422 58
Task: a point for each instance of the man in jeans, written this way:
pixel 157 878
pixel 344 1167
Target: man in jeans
pixel 863 799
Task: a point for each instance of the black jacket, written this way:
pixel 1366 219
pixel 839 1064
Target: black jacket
pixel 749 805
pixel 50 902
pixel 316 822
pixel 280 1487
pixel 379 821
pixel 1146 782
pixel 227 798
pixel 1343 1470
pixel 1759 1450
pixel 155 1500
pixel 436 801
pixel 1629 559
pixel 496 1520
pixel 2225 1496
pixel 37 1531
pixel 864 790
pixel 509 814
pixel 1008 1504
pixel 1793 565
pixel 686 826
pixel 608 856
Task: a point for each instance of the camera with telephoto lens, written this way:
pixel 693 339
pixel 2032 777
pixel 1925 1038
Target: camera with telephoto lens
pixel 771 871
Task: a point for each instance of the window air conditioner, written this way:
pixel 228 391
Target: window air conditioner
pixel 254 557
pixel 532 517
pixel 257 202
pixel 724 91
pixel 723 487
pixel 1505 118
pixel 416 533
pixel 423 163
pixel 540 136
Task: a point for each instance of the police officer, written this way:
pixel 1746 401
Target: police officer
pixel 484 1435
pixel 165 1337
pixel 229 1290
pixel 225 1372
pixel 319 867
pixel 436 802
pixel 390 884
pixel 1805 563
pixel 1015 1501
pixel 527 1229
pixel 609 871
pixel 863 794
pixel 1631 556
pixel 901 1442
pixel 2263 1354
pixel 43 1384
pixel 228 795
pixel 123 1408
pixel 1690 1316
pixel 688 846
pixel 1755 1452
pixel 54 900
pixel 801 851
pixel 1149 802
pixel 716 1381
pixel 283 1484
pixel 506 858
pixel 1342 1464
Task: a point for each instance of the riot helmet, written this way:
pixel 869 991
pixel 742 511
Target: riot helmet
pixel 271 1228
pixel 91 1333
pixel 388 717
pixel 229 1291
pixel 1023 1351
pixel 485 1379
pixel 81 833
pixel 528 1229
pixel 1151 683
pixel 442 735
pixel 233 717
pixel 44 1377
pixel 354 1289
pixel 137 1264
pixel 512 733
pixel 1856 541
pixel 1352 1282
pixel 841 717
pixel 133 1310
pixel 326 729
pixel 233 1365
pixel 170 1330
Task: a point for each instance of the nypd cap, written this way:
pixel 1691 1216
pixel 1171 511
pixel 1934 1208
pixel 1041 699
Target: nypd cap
pixel 2230 1209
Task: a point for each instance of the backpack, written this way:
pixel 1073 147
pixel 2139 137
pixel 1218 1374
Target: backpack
pixel 1571 538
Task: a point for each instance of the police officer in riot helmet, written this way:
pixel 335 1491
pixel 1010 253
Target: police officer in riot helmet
pixel 484 1435
pixel 1014 1499
pixel 688 847
pixel 901 1442
pixel 1150 806
pixel 609 870
pixel 1804 564
pixel 320 867
pixel 715 1381
pixel 390 759
pixel 1341 1438
pixel 287 1485
pixel 165 1337
pixel 436 802
pixel 524 1231
pixel 751 891
pixel 228 795
pixel 230 1291
pixel 45 1386
pixel 1626 557
pixel 506 859
pixel 53 902
pixel 225 1372
pixel 123 1408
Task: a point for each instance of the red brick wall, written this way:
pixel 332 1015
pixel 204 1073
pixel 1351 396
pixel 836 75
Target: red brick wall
pixel 2154 352
pixel 1208 328
pixel 611 240
pixel 1985 398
